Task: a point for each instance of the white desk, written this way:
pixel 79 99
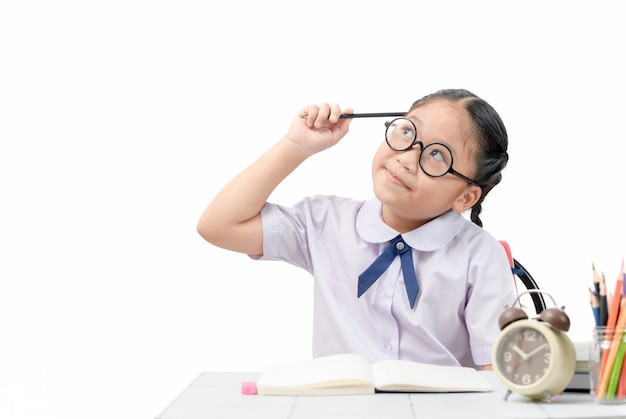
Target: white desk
pixel 218 395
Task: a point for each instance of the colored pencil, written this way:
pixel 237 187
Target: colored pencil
pixel 616 370
pixel 597 278
pixel 595 306
pixel 617 296
pixel 600 286
pixel 621 386
pixel 604 306
pixel 615 302
pixel 606 367
pixel 612 317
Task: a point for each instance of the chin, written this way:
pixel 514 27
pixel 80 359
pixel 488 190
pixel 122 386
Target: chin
pixel 388 198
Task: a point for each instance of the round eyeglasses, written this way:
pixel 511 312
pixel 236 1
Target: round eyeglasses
pixel 435 158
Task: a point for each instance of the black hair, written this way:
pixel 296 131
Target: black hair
pixel 492 141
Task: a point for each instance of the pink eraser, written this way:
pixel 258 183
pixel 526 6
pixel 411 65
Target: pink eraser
pixel 248 387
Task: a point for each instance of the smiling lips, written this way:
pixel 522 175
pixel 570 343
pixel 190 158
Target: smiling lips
pixel 394 179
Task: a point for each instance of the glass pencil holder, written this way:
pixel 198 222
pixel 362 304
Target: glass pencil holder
pixel 607 368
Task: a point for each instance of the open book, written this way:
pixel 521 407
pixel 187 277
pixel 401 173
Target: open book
pixel 353 374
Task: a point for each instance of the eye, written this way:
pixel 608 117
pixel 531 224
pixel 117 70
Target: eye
pixel 408 132
pixel 401 127
pixel 436 159
pixel 400 134
pixel 437 155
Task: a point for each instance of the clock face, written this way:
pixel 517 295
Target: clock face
pixel 524 356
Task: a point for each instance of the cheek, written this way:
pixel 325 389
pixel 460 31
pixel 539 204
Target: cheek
pixel 380 156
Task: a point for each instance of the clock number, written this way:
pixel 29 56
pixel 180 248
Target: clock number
pixel 530 335
pixel 547 357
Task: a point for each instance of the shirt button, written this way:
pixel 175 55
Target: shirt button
pixel 400 245
pixel 386 293
pixel 388 347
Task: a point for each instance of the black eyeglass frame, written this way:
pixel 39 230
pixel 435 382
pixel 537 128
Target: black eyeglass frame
pixel 422 148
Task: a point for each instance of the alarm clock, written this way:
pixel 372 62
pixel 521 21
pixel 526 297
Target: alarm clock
pixel 534 357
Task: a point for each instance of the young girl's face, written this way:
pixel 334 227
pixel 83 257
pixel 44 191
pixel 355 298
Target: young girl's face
pixel 410 197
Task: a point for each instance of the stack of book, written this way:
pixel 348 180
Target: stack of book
pixel 580 380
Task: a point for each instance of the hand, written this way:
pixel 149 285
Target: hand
pixel 534 351
pixel 519 351
pixel 318 127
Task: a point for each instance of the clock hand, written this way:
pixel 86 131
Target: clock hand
pixel 536 350
pixel 519 351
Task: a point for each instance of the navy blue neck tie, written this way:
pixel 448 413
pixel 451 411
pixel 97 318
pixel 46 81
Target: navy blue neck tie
pixel 380 265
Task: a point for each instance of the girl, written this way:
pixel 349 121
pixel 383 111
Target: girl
pixel 403 275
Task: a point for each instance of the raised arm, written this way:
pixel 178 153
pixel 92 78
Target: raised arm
pixel 232 219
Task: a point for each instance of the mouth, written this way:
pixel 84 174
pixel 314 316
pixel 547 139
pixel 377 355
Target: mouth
pixel 394 179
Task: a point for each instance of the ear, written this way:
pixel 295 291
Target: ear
pixel 467 198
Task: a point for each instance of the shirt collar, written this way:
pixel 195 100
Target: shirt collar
pixel 432 235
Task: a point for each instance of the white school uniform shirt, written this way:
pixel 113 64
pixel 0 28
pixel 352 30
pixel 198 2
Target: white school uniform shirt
pixel 463 272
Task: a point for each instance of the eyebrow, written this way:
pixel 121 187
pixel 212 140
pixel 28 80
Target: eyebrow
pixel 415 119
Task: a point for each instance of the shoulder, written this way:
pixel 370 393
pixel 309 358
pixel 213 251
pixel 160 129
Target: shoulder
pixel 483 248
pixel 325 204
pixel 336 201
pixel 461 239
pixel 315 209
pixel 476 236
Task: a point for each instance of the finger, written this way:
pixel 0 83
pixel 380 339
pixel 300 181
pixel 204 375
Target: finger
pixel 335 112
pixel 322 115
pixel 347 111
pixel 344 123
pixel 309 114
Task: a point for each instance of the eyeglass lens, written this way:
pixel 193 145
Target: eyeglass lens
pixel 435 158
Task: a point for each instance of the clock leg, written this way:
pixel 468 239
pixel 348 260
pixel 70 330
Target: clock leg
pixel 508 393
pixel 547 397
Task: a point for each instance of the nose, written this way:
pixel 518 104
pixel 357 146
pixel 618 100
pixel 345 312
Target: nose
pixel 409 158
pixel 417 142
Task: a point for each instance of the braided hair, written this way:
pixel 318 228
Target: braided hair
pixel 491 140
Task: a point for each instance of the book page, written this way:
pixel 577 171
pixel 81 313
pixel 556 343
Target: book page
pixel 407 376
pixel 334 374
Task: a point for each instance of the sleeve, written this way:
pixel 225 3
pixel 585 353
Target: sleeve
pixel 492 288
pixel 289 232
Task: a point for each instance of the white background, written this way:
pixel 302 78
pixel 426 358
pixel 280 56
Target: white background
pixel 120 120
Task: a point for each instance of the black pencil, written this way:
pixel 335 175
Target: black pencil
pixel 604 304
pixel 371 114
